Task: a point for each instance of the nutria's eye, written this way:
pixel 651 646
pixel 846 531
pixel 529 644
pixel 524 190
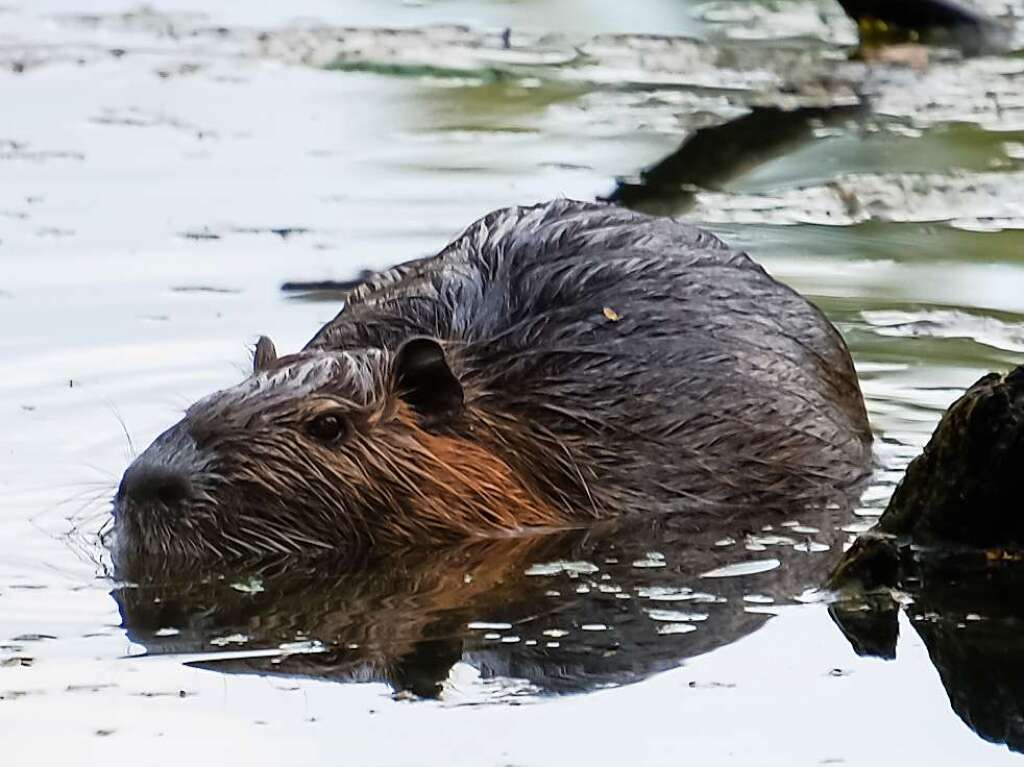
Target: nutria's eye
pixel 329 428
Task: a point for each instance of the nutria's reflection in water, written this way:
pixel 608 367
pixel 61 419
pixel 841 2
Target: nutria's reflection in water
pixel 565 612
pixel 581 610
pixel 967 610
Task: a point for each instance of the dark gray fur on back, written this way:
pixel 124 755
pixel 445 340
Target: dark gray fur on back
pixel 647 359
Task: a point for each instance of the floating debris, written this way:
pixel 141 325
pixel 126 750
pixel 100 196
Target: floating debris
pixel 556 568
pixel 668 629
pixel 676 615
pixel 741 569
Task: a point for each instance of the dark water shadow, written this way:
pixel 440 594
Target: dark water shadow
pixel 566 612
pixel 932 22
pixel 712 156
pixel 967 610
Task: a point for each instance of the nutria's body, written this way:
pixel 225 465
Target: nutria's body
pixel 553 365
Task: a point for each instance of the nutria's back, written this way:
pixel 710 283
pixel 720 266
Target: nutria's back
pixel 553 364
pixel 670 365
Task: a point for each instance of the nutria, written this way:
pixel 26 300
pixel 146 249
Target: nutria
pixel 553 365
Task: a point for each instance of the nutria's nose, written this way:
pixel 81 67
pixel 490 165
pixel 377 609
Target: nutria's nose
pixel 145 484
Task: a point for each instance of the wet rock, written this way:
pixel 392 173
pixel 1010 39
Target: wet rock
pixel 962 492
pixel 966 487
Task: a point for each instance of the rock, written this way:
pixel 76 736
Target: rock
pixel 967 486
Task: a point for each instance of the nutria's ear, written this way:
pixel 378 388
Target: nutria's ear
pixel 264 355
pixel 424 380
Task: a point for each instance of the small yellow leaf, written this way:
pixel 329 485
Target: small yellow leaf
pixel 1002 555
pixel 611 314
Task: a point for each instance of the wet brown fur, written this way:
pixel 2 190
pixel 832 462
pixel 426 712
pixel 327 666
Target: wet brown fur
pixel 588 362
pixel 457 487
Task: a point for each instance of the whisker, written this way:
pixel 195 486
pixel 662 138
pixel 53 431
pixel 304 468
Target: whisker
pixel 106 473
pixel 124 428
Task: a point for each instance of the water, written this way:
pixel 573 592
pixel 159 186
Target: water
pixel 161 177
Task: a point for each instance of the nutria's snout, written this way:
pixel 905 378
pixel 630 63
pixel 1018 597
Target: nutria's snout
pixel 157 493
pixel 163 475
pixel 146 484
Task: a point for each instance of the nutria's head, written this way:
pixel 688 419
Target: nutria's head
pixel 317 451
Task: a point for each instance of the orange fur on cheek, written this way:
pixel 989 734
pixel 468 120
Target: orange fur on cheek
pixel 465 489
